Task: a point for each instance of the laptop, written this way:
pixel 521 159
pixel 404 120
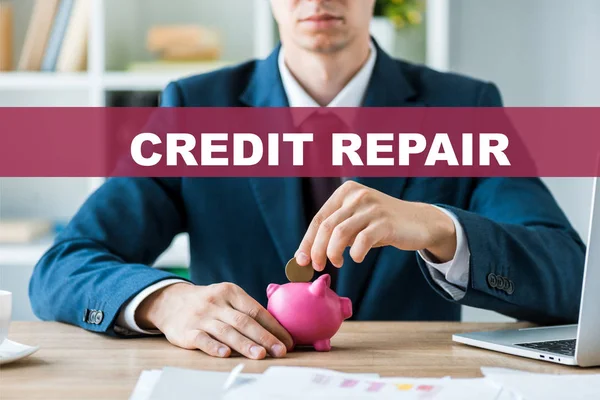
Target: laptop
pixel 568 344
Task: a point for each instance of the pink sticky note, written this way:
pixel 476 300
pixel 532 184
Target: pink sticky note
pixel 375 386
pixel 348 383
pixel 425 388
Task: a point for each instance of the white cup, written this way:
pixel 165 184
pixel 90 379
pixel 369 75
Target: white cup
pixel 5 313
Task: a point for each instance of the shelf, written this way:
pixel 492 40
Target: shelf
pixel 109 81
pixel 43 80
pixel 153 80
pixel 178 255
pixel 138 81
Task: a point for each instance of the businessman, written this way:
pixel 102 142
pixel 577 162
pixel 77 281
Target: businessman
pixel 400 248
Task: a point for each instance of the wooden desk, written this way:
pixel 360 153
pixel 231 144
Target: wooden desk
pixel 75 364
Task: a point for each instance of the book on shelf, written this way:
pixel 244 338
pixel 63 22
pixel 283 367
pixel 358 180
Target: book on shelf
pixel 59 28
pixel 73 53
pixel 37 35
pixel 57 36
pixel 6 36
pixel 23 231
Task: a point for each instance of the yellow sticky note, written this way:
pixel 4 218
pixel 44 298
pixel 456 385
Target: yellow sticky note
pixel 404 386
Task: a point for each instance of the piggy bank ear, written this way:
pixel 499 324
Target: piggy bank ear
pixel 272 288
pixel 319 286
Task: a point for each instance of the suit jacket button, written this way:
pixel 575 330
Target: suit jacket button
pixel 502 283
pixel 492 280
pixel 91 317
pixel 99 317
pixel 511 287
pixel 85 315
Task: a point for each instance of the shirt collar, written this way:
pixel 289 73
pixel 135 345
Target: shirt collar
pixel 352 95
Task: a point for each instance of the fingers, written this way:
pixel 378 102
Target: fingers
pixel 343 236
pixel 220 318
pixel 245 304
pixel 228 335
pixel 211 346
pixel 347 200
pixel 265 319
pixel 254 331
pixel 318 251
pixel 364 241
pixel 303 255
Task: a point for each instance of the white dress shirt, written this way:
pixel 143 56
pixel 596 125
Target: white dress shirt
pixel 452 276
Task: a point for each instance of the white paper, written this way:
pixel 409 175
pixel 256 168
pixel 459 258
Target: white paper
pixel 190 384
pixel 185 383
pixel 532 386
pixel 295 383
pixel 181 384
pixel 145 384
pixel 291 371
pixel 233 375
pixel 148 380
pixel 305 383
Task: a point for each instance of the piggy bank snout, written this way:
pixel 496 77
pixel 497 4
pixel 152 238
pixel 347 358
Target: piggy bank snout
pixel 345 307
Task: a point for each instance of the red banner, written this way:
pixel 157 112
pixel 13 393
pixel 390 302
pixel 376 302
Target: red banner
pixel 213 142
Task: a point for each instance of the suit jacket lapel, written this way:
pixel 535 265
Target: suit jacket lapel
pixel 265 88
pixel 280 203
pixel 279 199
pixel 389 86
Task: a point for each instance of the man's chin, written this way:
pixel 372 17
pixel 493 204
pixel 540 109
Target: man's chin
pixel 324 43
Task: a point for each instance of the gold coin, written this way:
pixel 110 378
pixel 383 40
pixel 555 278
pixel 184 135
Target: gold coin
pixel 297 273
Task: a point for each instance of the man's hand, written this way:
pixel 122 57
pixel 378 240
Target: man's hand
pixel 215 319
pixel 363 218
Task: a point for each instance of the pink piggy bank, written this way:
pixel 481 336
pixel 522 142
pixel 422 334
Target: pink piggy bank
pixel 311 312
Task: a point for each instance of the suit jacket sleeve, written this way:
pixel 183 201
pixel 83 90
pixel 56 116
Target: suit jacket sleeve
pixel 101 260
pixel 517 234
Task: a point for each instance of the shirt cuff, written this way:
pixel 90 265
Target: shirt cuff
pixel 126 324
pixel 452 276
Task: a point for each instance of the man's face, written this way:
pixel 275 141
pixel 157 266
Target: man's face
pixel 324 26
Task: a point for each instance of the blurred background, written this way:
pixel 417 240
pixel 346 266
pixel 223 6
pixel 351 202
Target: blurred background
pixel 122 53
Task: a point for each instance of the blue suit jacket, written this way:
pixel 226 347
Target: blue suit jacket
pixel 243 230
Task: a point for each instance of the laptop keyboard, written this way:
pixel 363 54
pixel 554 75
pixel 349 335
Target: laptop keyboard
pixel 563 347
